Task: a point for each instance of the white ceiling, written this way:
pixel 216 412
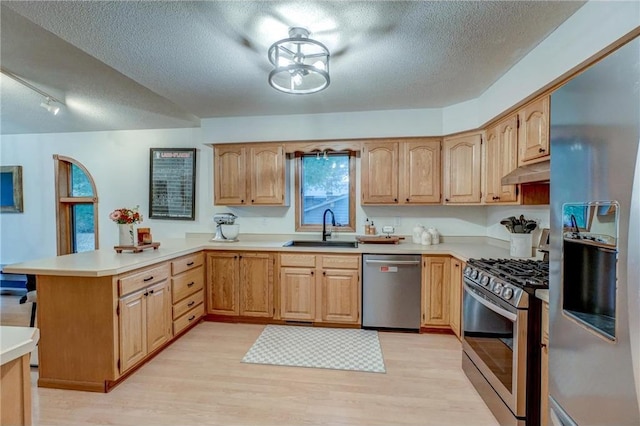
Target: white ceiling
pixel 138 65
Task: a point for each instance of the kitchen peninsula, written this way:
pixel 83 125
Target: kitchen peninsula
pixel 103 314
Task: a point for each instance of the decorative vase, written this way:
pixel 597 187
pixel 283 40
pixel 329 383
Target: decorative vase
pixel 125 234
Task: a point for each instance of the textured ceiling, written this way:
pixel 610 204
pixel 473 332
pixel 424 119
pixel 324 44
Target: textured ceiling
pixel 136 65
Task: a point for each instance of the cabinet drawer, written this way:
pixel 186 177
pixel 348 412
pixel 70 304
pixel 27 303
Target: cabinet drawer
pixel 187 262
pixel 187 283
pixel 340 262
pixel 187 303
pixel 307 260
pixel 187 319
pixel 142 278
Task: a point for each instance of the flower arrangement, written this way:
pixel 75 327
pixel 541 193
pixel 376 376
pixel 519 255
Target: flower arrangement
pixel 126 216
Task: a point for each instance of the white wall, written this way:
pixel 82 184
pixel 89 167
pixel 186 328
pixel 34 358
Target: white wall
pixel 119 161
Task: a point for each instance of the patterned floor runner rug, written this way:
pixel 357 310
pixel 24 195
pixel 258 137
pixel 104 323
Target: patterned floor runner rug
pixel 334 348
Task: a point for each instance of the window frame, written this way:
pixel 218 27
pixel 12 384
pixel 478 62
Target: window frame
pixel 347 227
pixel 65 203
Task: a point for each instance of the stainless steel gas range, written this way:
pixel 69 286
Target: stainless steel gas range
pixel 501 335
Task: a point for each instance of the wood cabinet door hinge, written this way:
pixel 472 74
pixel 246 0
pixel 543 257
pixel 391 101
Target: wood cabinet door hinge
pixel 118 311
pixel 517 190
pixel 118 364
pixel 518 122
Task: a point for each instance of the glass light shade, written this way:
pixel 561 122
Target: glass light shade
pixel 301 64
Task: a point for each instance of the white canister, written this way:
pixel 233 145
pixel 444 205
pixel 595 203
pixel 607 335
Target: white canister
pixel 425 239
pixel 435 236
pixel 417 234
pixel 521 245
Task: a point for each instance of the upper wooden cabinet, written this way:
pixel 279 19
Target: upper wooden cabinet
pixel 401 172
pixel 250 174
pixel 500 158
pixel 533 132
pixel 462 167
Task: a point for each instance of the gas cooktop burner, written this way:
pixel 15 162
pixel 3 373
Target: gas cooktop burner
pixel 522 273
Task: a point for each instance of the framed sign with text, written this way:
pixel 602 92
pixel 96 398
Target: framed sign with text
pixel 172 183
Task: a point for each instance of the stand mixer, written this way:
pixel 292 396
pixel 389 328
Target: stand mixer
pixel 222 219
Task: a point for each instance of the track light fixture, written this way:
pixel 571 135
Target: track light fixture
pixel 49 102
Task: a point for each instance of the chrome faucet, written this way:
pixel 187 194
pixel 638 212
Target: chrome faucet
pixel 326 234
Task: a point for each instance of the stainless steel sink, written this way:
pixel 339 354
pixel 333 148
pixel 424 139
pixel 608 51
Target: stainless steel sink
pixel 319 243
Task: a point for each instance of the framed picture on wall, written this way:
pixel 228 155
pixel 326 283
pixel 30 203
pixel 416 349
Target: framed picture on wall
pixel 172 183
pixel 11 189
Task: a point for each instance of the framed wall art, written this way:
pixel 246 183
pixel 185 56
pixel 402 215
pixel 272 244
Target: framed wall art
pixel 172 183
pixel 11 189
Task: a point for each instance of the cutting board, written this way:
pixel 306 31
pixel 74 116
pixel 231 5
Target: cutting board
pixel 372 239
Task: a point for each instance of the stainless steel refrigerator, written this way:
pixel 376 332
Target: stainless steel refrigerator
pixel 594 283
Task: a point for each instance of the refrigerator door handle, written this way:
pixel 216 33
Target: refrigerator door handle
pixel 557 416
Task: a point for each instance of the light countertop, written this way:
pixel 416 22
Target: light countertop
pixel 16 341
pixel 543 294
pixel 106 261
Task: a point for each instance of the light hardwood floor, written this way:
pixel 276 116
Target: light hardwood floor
pixel 199 380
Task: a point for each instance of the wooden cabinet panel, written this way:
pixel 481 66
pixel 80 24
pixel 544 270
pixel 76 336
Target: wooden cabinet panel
pixel 500 158
pixel 379 175
pixel 435 291
pixel 302 260
pixel 133 331
pixel 187 262
pixel 419 172
pixel 267 177
pixel 340 262
pixel 222 283
pixel 187 283
pixel 455 307
pixel 256 285
pixel 533 133
pixel 188 303
pixel 462 164
pixel 340 296
pixel 297 293
pixel 544 367
pixel 15 392
pixel 158 312
pixel 142 278
pixel 230 185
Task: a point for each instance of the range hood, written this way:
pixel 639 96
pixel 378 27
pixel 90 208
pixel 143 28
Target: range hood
pixel 538 172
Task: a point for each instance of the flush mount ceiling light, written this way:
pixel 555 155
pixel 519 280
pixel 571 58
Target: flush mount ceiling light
pixel 301 64
pixel 48 99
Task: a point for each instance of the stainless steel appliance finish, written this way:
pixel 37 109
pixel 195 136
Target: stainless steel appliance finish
pixel 594 376
pixel 223 219
pixel 501 335
pixel 391 286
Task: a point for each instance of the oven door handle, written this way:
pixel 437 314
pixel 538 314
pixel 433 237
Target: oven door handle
pixel 497 309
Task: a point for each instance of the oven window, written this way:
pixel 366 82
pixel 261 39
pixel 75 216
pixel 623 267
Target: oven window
pixel 490 335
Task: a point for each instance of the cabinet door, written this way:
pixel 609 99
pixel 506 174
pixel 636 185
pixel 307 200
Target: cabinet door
pixel 230 185
pixel 222 284
pixel 462 168
pixel 297 294
pixel 435 291
pixel 533 133
pixel 256 285
pixel 133 329
pixel 501 158
pixel 158 312
pixel 267 174
pixel 455 305
pixel 419 172
pixel 340 296
pixel 379 175
pixel 544 367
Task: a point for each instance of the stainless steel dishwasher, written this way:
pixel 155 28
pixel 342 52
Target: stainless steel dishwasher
pixel 391 291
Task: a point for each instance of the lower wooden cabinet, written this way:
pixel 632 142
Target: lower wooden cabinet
pixel 145 323
pixel 240 284
pixel 435 291
pixel 187 291
pixel 544 367
pixel 320 288
pixel 455 296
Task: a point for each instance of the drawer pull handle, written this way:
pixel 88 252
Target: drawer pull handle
pixel 150 291
pixel 190 263
pixel 190 304
pixel 192 317
pixel 190 284
pixel 148 279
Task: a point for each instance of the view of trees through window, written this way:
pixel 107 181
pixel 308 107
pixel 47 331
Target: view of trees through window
pixel 325 185
pixel 82 214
